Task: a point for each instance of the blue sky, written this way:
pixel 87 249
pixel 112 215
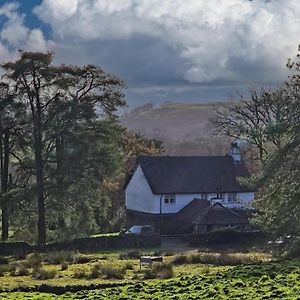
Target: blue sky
pixel 166 50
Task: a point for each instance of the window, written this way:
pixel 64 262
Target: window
pixel 232 197
pixel 170 199
pixel 231 226
pixel 203 196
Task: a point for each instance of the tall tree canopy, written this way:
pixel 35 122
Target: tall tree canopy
pixel 270 120
pixel 62 107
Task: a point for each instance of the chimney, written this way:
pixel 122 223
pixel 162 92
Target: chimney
pixel 235 152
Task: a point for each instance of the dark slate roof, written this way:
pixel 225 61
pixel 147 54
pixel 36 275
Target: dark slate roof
pixel 220 215
pixel 196 209
pixel 201 212
pixel 192 174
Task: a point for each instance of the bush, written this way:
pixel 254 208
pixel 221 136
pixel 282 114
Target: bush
pixel 181 259
pixel 43 274
pixel 163 271
pixel 134 254
pixel 112 272
pixel 59 257
pixel 21 270
pixel 292 249
pixel 82 259
pixel 95 272
pixel 64 266
pixel 219 259
pixel 129 266
pixel 206 270
pixel 80 273
pixel 33 260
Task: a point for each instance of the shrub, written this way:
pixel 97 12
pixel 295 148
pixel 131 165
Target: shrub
pixel 162 271
pixel 134 254
pixel 129 266
pixel 82 259
pixel 43 274
pixel 33 260
pixel 196 258
pixel 181 259
pixel 206 270
pixel 220 259
pixel 292 249
pixel 59 257
pixel 20 270
pixel 112 272
pixel 95 272
pixel 64 266
pixel 80 273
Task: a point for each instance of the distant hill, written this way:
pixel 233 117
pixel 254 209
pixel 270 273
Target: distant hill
pixel 184 128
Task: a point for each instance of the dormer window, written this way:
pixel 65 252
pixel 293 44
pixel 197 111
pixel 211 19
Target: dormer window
pixel 170 199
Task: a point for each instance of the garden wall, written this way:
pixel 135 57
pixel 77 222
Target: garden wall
pixel 84 244
pixel 225 237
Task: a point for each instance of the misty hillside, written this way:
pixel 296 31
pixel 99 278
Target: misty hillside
pixel 184 128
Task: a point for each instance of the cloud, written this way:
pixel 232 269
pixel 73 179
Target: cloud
pixel 14 35
pixel 214 38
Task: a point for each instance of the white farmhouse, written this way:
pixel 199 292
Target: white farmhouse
pixel 162 186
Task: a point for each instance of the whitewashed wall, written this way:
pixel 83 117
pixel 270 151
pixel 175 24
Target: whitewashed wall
pixel 138 193
pixel 139 197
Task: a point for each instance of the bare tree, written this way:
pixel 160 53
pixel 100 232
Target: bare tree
pixel 257 119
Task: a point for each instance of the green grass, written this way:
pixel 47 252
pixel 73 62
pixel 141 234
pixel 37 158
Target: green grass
pixel 264 280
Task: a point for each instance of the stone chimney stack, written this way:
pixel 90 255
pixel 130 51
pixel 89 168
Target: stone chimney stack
pixel 235 152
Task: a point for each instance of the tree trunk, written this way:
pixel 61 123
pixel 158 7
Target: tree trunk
pixel 59 146
pixel 4 184
pixel 38 147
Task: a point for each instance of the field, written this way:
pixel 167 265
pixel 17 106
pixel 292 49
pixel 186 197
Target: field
pixel 193 275
pixel 184 128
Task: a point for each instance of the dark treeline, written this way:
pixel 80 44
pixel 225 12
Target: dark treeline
pixel 63 152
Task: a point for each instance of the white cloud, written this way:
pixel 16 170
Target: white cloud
pixel 14 35
pixel 215 37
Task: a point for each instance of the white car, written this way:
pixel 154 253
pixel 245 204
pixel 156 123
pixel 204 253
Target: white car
pixel 140 230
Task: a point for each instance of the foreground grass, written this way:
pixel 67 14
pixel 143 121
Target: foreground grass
pixel 264 280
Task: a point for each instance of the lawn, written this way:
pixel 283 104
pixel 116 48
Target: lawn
pixel 190 275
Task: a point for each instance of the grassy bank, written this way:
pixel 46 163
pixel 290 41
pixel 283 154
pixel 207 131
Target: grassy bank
pixel 118 275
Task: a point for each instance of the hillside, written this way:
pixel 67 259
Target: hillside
pixel 184 128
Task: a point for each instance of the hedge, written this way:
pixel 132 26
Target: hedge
pixel 84 244
pixel 224 237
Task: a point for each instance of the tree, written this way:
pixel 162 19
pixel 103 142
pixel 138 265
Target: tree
pixel 258 119
pixel 270 120
pixel 56 99
pixel 4 156
pixel 279 202
pixel 11 120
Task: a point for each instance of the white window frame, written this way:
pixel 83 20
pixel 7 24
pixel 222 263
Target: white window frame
pixel 232 197
pixel 170 199
pixel 204 196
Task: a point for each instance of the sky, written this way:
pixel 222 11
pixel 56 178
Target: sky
pixel 165 50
